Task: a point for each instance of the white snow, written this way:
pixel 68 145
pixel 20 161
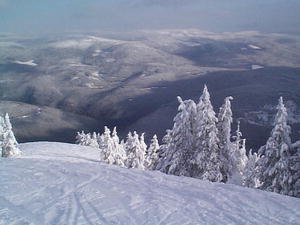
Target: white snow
pixel 83 43
pixel 254 47
pixel 90 85
pixel 95 74
pixel 28 63
pixel 256 67
pixel 96 52
pixel 75 78
pixel 57 183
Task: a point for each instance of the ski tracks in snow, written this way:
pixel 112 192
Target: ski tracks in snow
pixel 21 212
pixel 67 187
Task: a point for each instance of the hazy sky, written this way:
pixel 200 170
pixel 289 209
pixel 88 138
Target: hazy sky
pixel 213 15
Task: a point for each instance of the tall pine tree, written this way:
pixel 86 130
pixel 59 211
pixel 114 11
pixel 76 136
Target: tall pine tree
pixel 274 164
pixel 107 147
pixel 237 158
pixel 250 173
pixel 151 158
pixel 9 144
pixel 135 152
pixel 178 150
pixel 294 165
pixel 224 134
pixel 207 164
pixel 119 153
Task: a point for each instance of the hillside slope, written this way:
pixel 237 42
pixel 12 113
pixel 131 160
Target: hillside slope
pixel 56 183
pixel 131 79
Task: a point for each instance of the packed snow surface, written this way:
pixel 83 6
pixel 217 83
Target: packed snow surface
pixel 56 183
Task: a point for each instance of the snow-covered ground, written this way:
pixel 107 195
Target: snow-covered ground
pixel 56 183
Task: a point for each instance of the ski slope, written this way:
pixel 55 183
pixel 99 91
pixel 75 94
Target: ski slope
pixel 57 183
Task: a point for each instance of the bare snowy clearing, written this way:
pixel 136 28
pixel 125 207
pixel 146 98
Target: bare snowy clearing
pixel 56 183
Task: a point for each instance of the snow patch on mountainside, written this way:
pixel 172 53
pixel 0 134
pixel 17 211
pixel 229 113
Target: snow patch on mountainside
pixel 57 183
pixel 254 47
pixel 83 43
pixel 256 67
pixel 28 63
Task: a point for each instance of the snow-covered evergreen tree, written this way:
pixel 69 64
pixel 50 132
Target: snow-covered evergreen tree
pixel 151 158
pixel 192 147
pixel 79 139
pixel 237 158
pixel 119 151
pixel 207 164
pixel 134 150
pixel 179 148
pixel 107 147
pixel 127 147
pixel 294 165
pixel 93 142
pixel 163 151
pixel 142 143
pixel 9 144
pixel 275 172
pixel 250 174
pixel 100 139
pixel 87 139
pixel 1 133
pixel 224 134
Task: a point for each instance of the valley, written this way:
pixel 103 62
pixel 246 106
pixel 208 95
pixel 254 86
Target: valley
pixel 131 80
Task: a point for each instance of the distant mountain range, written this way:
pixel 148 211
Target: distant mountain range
pixel 57 85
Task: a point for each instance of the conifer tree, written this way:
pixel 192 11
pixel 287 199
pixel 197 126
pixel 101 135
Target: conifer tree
pixel 163 151
pixel 9 144
pixel 207 164
pixel 275 172
pixel 224 135
pixel 151 158
pixel 142 143
pixel 1 133
pixel 79 139
pixel 119 151
pixel 135 153
pixel 93 142
pixel 106 147
pixel 294 165
pixel 100 139
pixel 179 148
pixel 250 174
pixel 237 158
pixel 87 139
pixel 128 146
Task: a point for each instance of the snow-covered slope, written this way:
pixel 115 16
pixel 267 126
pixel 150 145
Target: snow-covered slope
pixel 56 183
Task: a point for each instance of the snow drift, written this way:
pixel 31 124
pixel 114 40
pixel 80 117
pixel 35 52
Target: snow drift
pixel 57 183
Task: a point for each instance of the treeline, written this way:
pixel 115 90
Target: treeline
pixel 132 153
pixel 202 145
